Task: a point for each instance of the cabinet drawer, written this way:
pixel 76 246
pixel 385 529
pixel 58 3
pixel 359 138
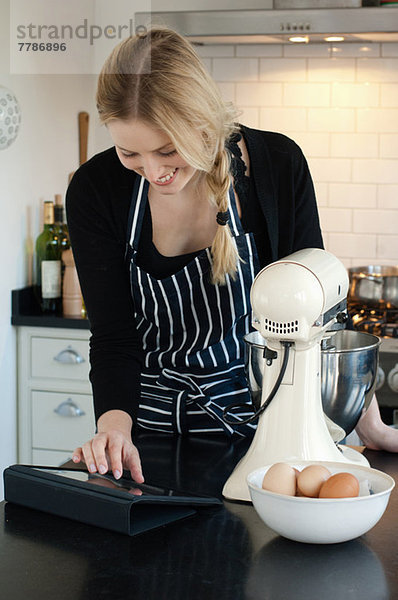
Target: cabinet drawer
pixel 59 358
pixel 61 421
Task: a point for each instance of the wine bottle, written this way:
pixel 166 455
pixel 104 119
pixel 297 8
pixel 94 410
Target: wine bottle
pixel 48 264
pixel 60 227
pixel 62 233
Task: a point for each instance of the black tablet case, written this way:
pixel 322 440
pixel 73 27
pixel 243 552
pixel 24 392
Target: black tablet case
pixel 102 507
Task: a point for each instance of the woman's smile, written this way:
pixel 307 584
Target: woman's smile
pixel 167 179
pixel 150 152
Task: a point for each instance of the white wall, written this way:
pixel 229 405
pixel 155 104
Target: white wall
pixel 341 106
pixel 171 5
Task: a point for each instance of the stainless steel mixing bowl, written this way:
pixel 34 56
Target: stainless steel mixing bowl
pixel 349 361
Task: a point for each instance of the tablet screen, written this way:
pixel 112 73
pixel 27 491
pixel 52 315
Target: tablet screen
pixel 121 485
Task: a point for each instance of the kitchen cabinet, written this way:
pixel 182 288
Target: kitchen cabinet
pixel 55 410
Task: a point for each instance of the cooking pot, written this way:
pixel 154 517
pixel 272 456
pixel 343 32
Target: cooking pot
pixel 375 286
pixel 349 361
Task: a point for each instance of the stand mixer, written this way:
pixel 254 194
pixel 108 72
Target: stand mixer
pixel 296 301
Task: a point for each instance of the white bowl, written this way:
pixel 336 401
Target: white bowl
pixel 323 520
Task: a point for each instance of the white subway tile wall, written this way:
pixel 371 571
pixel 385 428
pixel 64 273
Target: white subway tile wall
pixel 340 104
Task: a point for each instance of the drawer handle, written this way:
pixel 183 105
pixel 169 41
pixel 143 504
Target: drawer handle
pixel 69 409
pixel 69 356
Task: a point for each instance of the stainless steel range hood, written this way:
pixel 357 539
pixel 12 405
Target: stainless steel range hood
pixel 364 24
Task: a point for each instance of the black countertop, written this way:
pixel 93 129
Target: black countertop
pixel 220 553
pixel 26 311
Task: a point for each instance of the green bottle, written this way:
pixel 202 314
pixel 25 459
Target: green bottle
pixel 48 264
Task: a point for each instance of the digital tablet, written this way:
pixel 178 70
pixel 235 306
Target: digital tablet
pixel 120 505
pixel 124 486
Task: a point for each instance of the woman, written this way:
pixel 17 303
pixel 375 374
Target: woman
pixel 169 308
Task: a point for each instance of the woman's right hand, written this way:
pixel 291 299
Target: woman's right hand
pixel 111 448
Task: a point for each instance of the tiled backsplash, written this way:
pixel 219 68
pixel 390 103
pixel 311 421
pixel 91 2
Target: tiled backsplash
pixel 340 104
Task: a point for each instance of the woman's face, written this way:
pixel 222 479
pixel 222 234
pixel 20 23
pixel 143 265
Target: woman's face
pixel 150 152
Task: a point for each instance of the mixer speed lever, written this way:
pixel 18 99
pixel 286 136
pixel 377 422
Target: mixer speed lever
pixel 269 355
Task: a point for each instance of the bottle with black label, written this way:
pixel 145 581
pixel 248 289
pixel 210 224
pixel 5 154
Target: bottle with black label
pixel 48 264
pixel 62 233
pixel 61 228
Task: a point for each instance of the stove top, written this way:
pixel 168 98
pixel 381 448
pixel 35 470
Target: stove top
pixel 383 322
pixel 380 321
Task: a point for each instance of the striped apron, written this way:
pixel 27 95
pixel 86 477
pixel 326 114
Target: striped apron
pixel 192 334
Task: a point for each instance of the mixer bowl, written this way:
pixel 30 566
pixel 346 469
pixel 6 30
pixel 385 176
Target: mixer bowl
pixel 349 361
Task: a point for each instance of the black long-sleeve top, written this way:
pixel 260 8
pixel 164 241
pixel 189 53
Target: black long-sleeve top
pixel 278 206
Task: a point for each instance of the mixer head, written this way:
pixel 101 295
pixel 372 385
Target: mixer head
pixel 299 297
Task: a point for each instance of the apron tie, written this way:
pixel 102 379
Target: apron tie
pixel 189 392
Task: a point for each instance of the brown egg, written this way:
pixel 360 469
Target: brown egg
pixel 280 478
pixel 340 485
pixel 311 479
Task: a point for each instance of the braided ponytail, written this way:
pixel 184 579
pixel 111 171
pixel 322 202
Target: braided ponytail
pixel 224 251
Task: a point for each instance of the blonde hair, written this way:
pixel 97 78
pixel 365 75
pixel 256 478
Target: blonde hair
pixel 157 77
